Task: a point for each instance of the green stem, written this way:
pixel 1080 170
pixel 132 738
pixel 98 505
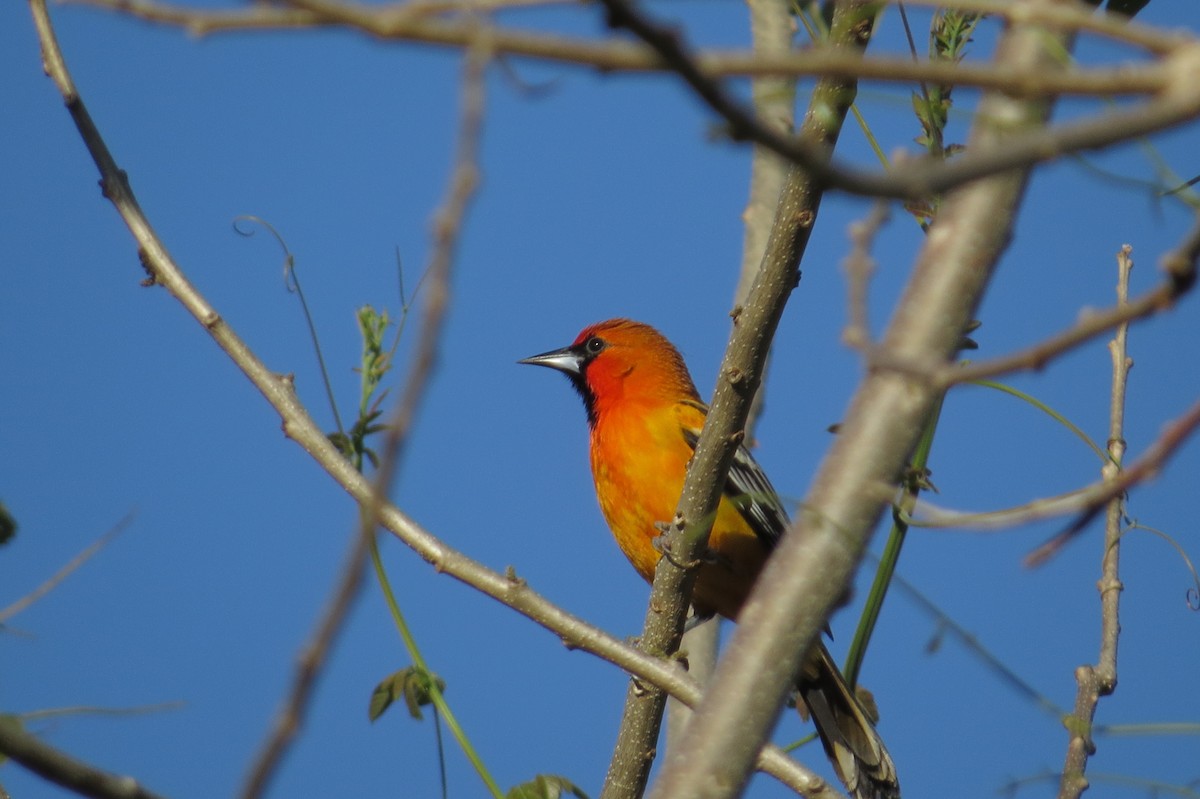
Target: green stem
pixel 891 554
pixel 439 702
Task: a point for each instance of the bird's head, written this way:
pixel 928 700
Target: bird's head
pixel 620 361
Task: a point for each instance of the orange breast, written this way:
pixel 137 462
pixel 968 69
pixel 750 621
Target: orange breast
pixel 639 461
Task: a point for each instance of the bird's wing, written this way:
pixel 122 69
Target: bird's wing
pixel 749 489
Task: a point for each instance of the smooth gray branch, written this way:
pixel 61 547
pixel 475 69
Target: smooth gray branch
pixel 807 574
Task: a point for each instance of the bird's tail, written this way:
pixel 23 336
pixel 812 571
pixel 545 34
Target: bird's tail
pixel 847 734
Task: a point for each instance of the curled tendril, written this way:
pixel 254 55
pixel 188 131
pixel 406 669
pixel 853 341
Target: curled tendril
pixel 1192 595
pixel 290 282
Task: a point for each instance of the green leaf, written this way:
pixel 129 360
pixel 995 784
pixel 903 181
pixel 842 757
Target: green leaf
pixel 412 685
pixel 546 786
pixel 343 443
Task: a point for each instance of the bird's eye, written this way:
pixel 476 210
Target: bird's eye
pixel 594 345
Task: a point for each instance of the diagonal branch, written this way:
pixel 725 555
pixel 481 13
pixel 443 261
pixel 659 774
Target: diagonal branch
pixel 1095 497
pixel 740 375
pixel 1175 83
pixel 1180 268
pixel 300 427
pixel 772 30
pixel 62 769
pixel 808 573
pixel 1179 102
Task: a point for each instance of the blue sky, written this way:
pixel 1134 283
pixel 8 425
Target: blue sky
pixel 601 196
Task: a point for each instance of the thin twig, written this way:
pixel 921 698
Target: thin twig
pixel 447 223
pixel 94 710
pixel 1086 501
pixel 64 572
pixel 1101 679
pixel 1097 495
pixel 309 664
pixel 1180 268
pixel 859 266
pixel 946 623
pixel 291 282
pixel 739 379
pixel 411 22
pixel 929 516
pixel 774 99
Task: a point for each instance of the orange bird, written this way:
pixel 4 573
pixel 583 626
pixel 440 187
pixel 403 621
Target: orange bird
pixel 645 417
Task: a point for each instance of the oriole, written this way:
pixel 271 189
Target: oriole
pixel 645 417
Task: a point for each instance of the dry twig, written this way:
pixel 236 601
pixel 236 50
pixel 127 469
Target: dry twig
pixel 1101 679
pixel 62 574
pixel 414 21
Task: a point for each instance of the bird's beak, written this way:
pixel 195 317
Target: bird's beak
pixel 564 360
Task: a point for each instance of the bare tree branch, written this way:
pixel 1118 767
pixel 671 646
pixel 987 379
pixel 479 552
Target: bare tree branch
pixel 309 664
pixel 807 574
pixel 62 769
pixel 1180 268
pixel 739 378
pixel 1101 679
pixel 1096 496
pixel 1177 90
pixel 411 21
pixel 859 266
pixel 300 427
pixel 772 29
pixel 1086 501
